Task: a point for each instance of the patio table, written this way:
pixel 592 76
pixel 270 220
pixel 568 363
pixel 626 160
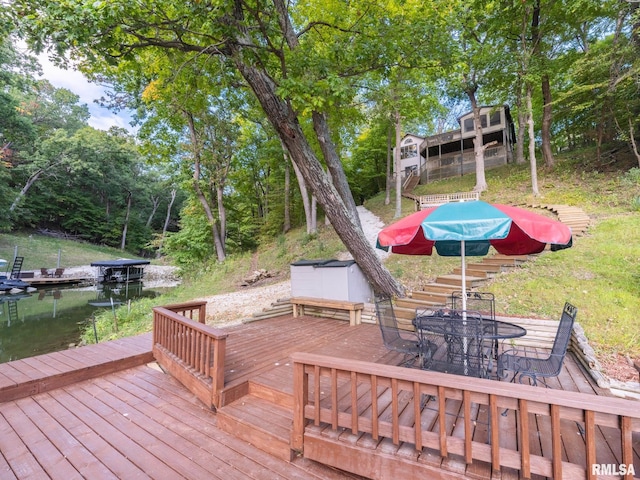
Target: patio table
pixel 462 343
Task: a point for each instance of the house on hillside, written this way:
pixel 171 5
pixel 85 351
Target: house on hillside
pixel 450 154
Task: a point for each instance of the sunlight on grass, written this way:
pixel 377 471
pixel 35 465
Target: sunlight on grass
pixel 600 275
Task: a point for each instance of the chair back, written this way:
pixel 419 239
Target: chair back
pixel 563 336
pixel 483 302
pixel 387 320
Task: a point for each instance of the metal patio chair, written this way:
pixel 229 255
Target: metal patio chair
pixel 483 302
pixel 538 369
pixel 393 337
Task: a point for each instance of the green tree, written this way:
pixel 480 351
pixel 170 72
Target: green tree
pixel 277 62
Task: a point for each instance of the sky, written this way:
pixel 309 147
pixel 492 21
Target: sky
pixel 101 118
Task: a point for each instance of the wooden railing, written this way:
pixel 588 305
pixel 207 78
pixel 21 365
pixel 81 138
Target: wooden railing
pixel 192 352
pixel 333 392
pixel 193 310
pixel 426 201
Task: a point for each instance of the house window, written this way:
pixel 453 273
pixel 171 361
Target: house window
pixel 495 119
pixel 468 124
pixel 409 151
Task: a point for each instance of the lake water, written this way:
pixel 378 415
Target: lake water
pixel 49 320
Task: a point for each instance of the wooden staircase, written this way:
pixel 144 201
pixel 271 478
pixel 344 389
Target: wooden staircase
pixel 438 292
pixel 574 217
pixel 410 183
pixel 264 416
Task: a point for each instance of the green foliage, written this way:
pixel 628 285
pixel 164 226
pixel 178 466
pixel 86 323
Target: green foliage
pixel 599 274
pixel 631 179
pixel 193 243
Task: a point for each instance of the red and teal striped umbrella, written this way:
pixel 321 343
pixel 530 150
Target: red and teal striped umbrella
pixel 510 230
pixel 470 228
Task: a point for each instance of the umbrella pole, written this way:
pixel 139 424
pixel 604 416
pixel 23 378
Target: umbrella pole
pixel 464 305
pixel 464 280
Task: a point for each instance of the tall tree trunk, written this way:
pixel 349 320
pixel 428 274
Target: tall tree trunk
pixel 285 122
pixel 397 122
pixel 387 183
pixel 314 214
pixel 222 212
pixel 287 196
pixel 634 145
pixel 304 193
pixel 195 141
pixel 326 219
pixel 337 175
pixel 532 145
pixel 167 219
pixel 306 203
pixel 522 127
pixel 478 144
pixel 125 227
pixel 32 179
pixel 155 201
pixel 547 151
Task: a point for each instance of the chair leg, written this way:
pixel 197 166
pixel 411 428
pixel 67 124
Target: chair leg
pixel 411 361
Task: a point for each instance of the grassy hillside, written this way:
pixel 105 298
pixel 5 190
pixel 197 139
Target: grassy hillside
pixel 600 274
pixel 40 251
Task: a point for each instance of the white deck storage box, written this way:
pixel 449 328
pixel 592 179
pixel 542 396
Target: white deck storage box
pixel 331 279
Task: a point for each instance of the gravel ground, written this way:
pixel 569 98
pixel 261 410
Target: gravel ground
pixel 230 308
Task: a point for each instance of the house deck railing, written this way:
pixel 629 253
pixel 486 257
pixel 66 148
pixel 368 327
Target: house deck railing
pixel 426 201
pixel 191 351
pixel 331 391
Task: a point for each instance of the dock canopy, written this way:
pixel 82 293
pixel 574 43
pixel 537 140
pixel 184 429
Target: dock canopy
pixel 122 270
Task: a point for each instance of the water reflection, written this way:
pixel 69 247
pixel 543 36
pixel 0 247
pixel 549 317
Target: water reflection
pixel 49 320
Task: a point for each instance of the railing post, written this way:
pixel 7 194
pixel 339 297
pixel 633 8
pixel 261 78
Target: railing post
pixel 217 376
pixel 202 313
pixel 301 397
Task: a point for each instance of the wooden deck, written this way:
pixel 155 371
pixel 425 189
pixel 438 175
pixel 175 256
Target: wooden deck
pixel 102 412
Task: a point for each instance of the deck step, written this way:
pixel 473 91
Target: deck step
pixel 505 262
pixel 456 280
pixel 269 387
pixel 440 287
pixel 261 423
pixel 431 297
pixel 490 268
pixel 471 272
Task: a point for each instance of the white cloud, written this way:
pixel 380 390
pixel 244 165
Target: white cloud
pixel 101 118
